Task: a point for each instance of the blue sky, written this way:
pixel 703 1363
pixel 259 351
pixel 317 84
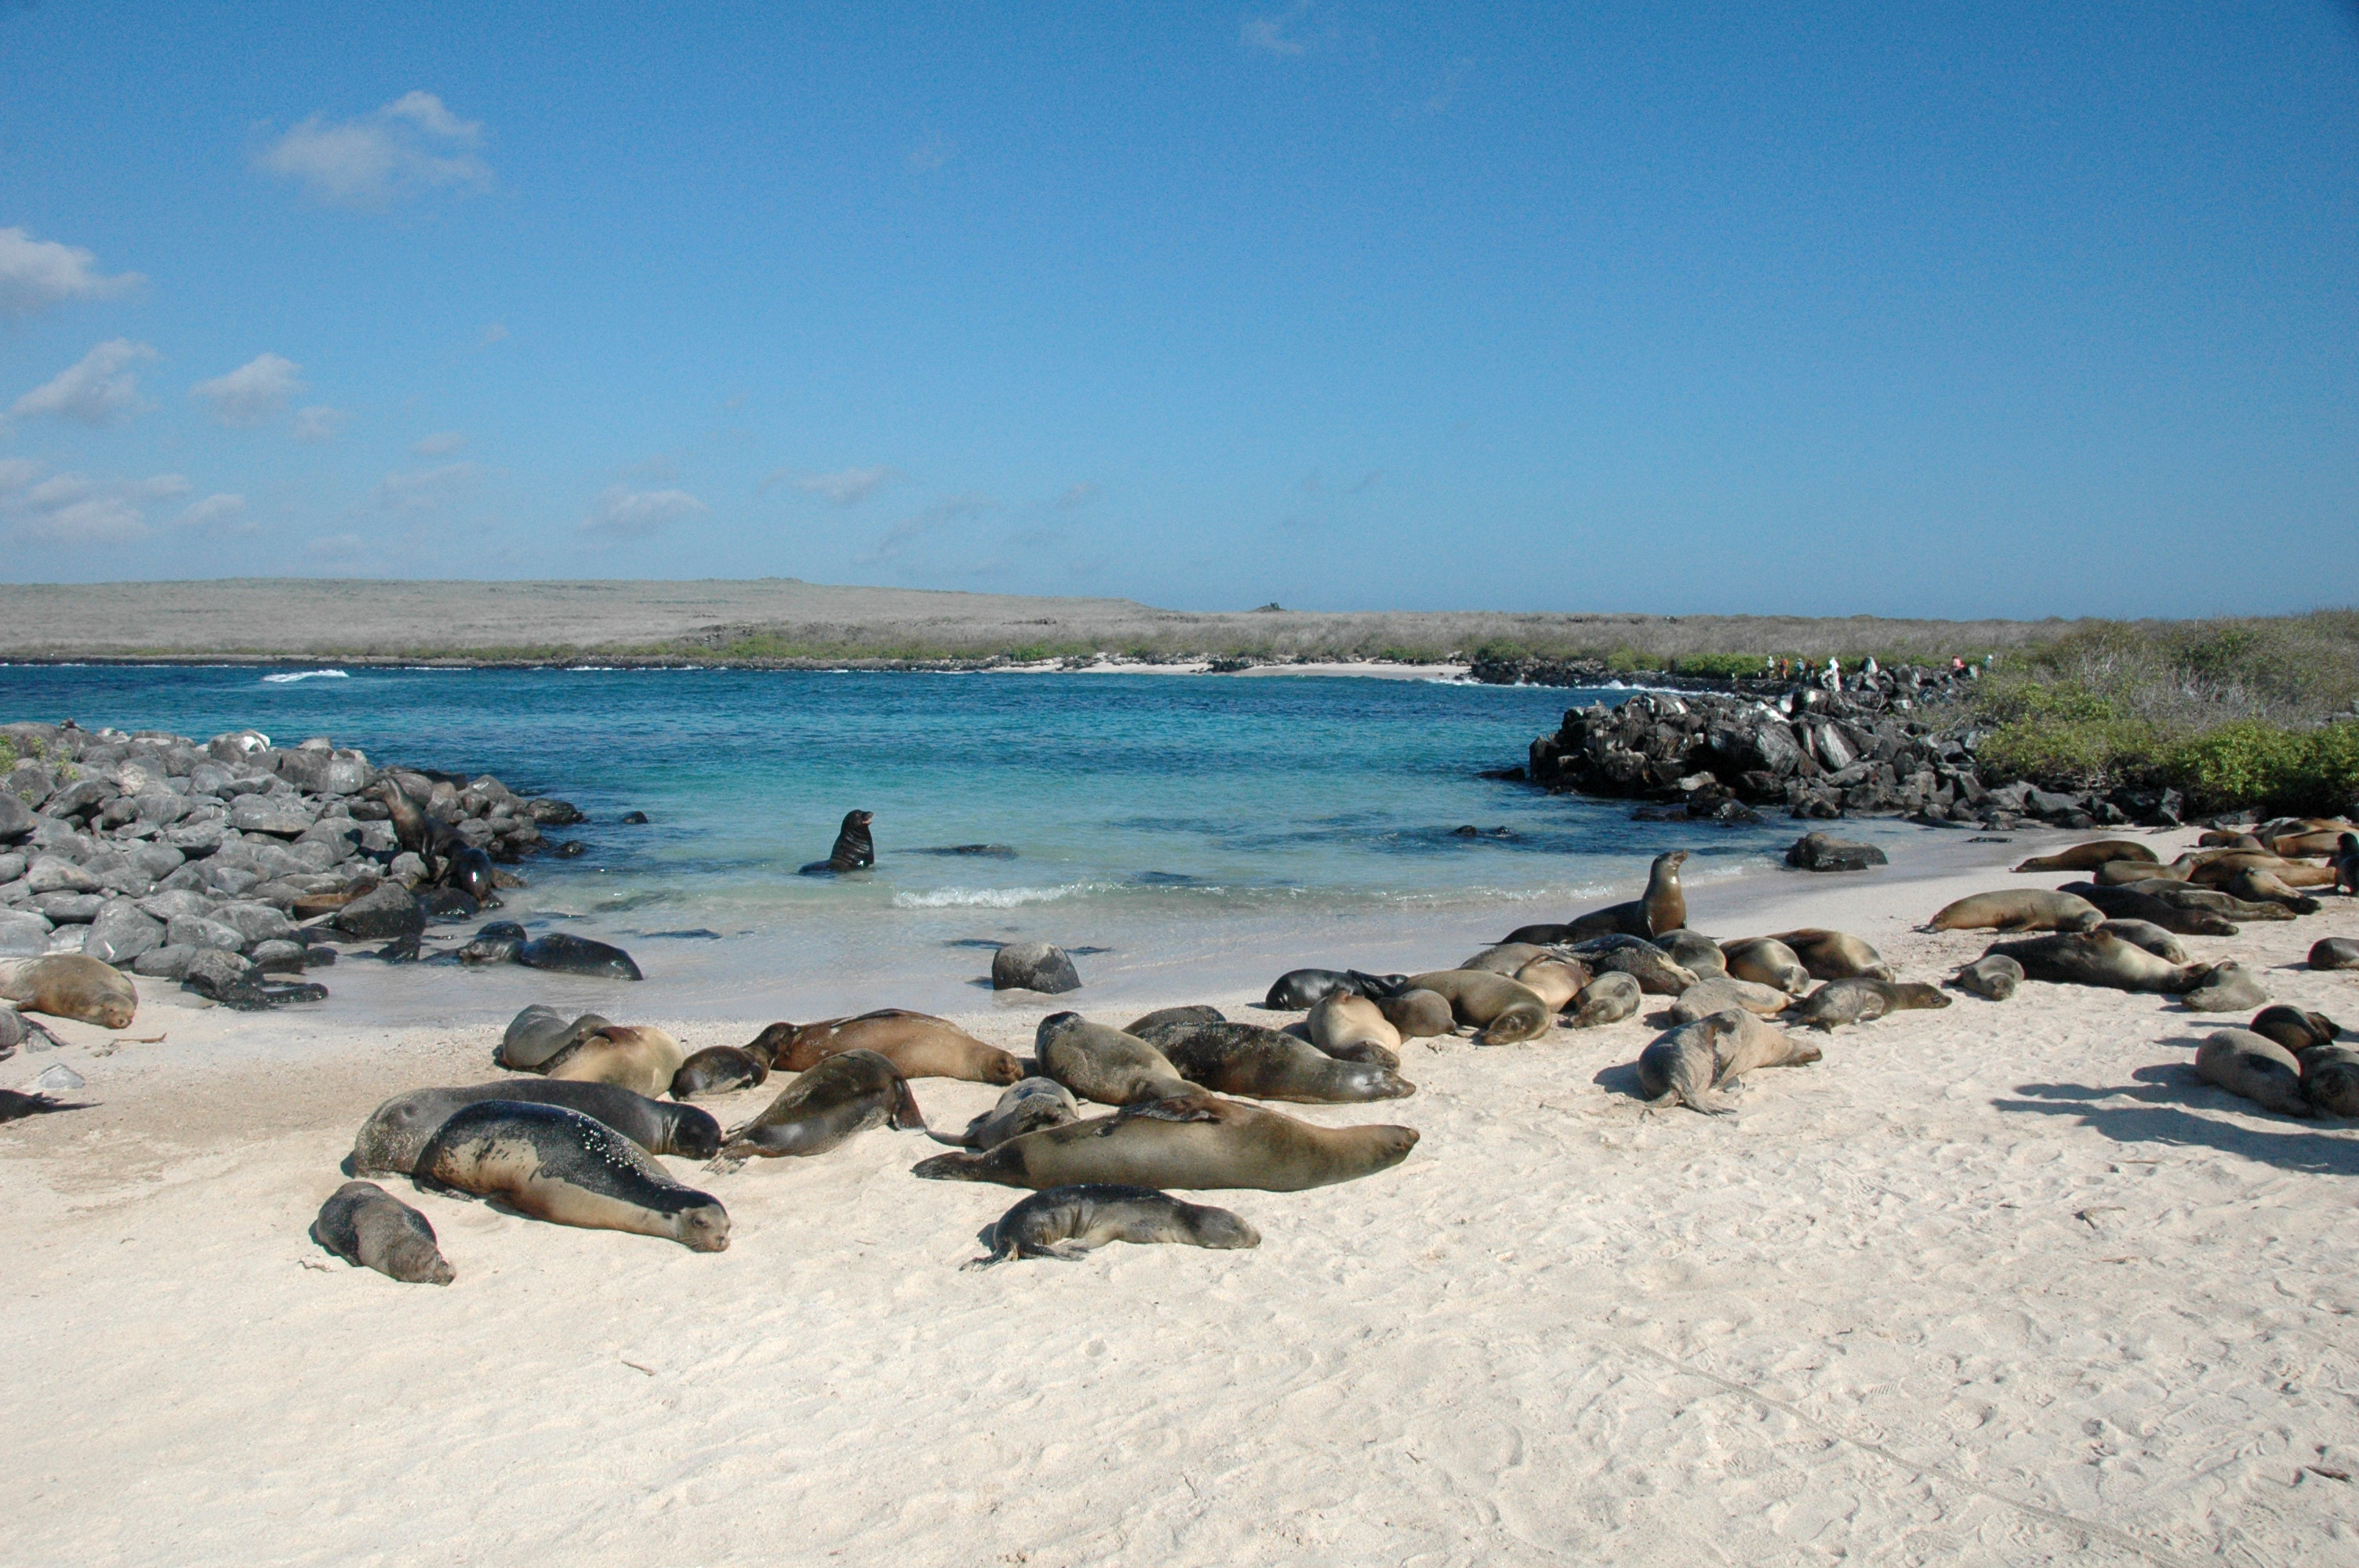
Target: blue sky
pixel 1950 310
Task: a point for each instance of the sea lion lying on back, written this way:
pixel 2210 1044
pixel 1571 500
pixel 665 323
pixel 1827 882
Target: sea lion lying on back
pixel 1068 1223
pixel 1662 907
pixel 1502 1010
pixel 1031 1104
pixel 2019 909
pixel 2089 857
pixel 560 1166
pixel 842 1097
pixel 1246 1059
pixel 918 1044
pixel 1835 955
pixel 1694 1064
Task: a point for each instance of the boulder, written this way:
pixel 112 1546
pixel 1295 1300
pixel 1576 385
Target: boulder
pixel 1817 852
pixel 196 930
pixel 120 933
pixel 170 904
pixel 23 935
pixel 70 908
pixel 254 921
pixel 390 911
pixel 210 973
pixel 16 818
pixel 52 873
pixel 198 837
pixel 1033 966
pixel 12 867
pixel 276 814
pixel 168 963
pixel 80 799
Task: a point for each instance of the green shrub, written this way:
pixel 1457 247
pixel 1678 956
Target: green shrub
pixel 1720 665
pixel 1503 651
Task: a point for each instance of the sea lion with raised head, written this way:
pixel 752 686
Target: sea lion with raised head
pixel 2019 909
pixel 2334 953
pixel 2147 935
pixel 1860 1000
pixel 719 1070
pixel 1351 1028
pixel 1032 1104
pixel 1195 1141
pixel 1835 955
pixel 1298 989
pixel 2089 857
pixel 1068 1223
pixel 1695 1063
pixel 1501 1011
pixel 1103 1063
pixel 2095 958
pixel 67 984
pixel 397 1132
pixel 855 847
pixel 2257 1067
pixel 1720 993
pixel 833 1102
pixel 638 1058
pixel 1418 1014
pixel 560 1165
pixel 1766 961
pixel 918 1044
pixel 1993 977
pixel 1609 999
pixel 1262 1064
pixel 1662 907
pixel 561 953
pixel 539 1038
pixel 370 1229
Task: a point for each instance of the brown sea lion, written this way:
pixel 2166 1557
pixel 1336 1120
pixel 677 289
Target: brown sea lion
pixel 2122 873
pixel 1031 1104
pixel 2089 857
pixel 2334 953
pixel 67 984
pixel 1103 1063
pixel 559 1165
pixel 1262 1064
pixel 1662 907
pixel 1993 977
pixel 843 1096
pixel 1694 1064
pixel 1506 958
pixel 719 1070
pixel 1835 955
pixel 537 1039
pixel 2220 869
pixel 2294 1030
pixel 1556 982
pixel 2093 958
pixel 2329 1078
pixel 1766 961
pixel 2019 909
pixel 1418 1014
pixel 2227 986
pixel 638 1058
pixel 1861 1000
pixel 1068 1223
pixel 1641 960
pixel 1609 999
pixel 1692 951
pixel 2256 885
pixel 1193 1143
pixel 370 1229
pixel 1707 997
pixel 2257 1067
pixel 1352 1029
pixel 2147 935
pixel 918 1044
pixel 1500 1010
pixel 2311 841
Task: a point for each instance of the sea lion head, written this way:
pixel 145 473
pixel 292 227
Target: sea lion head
pixel 1915 993
pixel 1055 1024
pixel 765 1047
pixel 1218 1227
pixel 702 1227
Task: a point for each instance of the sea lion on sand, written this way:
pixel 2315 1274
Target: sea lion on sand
pixel 1766 961
pixel 2256 885
pixel 370 1229
pixel 2173 914
pixel 1993 977
pixel 2346 863
pixel 498 942
pixel 537 1038
pixel 842 1097
pixel 855 848
pixel 1707 997
pixel 1197 1013
pixel 1103 1063
pixel 15 1105
pixel 2294 1030
pixel 2334 953
pixel 559 1165
pixel 1067 1223
pixel 1694 1064
pixel 1298 989
pixel 1262 1064
pixel 2123 874
pixel 396 1134
pixel 1608 999
pixel 1694 951
pixel 918 1044
pixel 2223 987
pixel 2093 958
pixel 1351 1028
pixel 637 1057
pixel 2019 909
pixel 1418 1014
pixel 1835 955
pixel 2089 857
pixel 1861 1000
pixel 67 984
pixel 566 955
pixel 1641 960
pixel 1506 958
pixel 2329 1078
pixel 1196 1141
pixel 718 1070
pixel 2257 1067
pixel 1662 907
pixel 2147 935
pixel 1556 982
pixel 2220 869
pixel 1500 1010
pixel 1028 1106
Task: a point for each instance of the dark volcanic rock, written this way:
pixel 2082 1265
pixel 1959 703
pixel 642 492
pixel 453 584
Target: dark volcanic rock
pixel 390 911
pixel 1817 852
pixel 1033 966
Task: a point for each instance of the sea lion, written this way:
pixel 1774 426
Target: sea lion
pixel 854 849
pixel 560 1165
pixel 2256 885
pixel 1835 955
pixel 1067 1223
pixel 67 984
pixel 1861 1000
pixel 2346 863
pixel 2226 987
pixel 1766 961
pixel 431 838
pixel 1351 1028
pixel 1556 982
pixel 1298 989
pixel 15 1029
pixel 498 942
pixel 1694 951
pixel 2329 1078
pixel 2089 857
pixel 2257 1067
pixel 1197 1013
pixel 1262 1064
pixel 2093 958
pixel 370 1229
pixel 2147 935
pixel 567 955
pixel 1640 959
pixel 1662 907
pixel 2220 869
pixel 2124 873
pixel 638 1058
pixel 396 1134
pixel 1609 999
pixel 1500 1010
pixel 539 1038
pixel 843 1096
pixel 1418 1014
pixel 1991 977
pixel 2019 909
pixel 1194 1141
pixel 1707 997
pixel 918 1044
pixel 2174 914
pixel 719 1070
pixel 16 1105
pixel 1506 958
pixel 2294 1030
pixel 1694 1064
pixel 1031 1105
pixel 2334 953
pixel 1103 1063
pixel 469 870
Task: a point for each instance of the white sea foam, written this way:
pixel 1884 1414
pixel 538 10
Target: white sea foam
pixel 989 898
pixel 291 676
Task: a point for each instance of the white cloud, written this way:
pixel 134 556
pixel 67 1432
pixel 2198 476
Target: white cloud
pixel 252 392
pixel 37 274
pixel 931 153
pixel 99 390
pixel 636 513
pixel 318 422
pixel 68 509
pixel 493 333
pixel 410 146
pixel 846 487
pixel 218 515
pixel 428 490
pixel 337 549
pixel 941 515
pixel 439 444
pixel 1269 34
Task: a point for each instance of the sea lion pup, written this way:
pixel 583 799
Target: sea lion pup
pixel 918 1044
pixel 1766 961
pixel 559 1165
pixel 1298 989
pixel 2226 987
pixel 1351 1028
pixel 2330 1078
pixel 1262 1064
pixel 1609 999
pixel 2147 935
pixel 1194 1141
pixel 1506 958
pixel 637 1057
pixel 566 955
pixel 1067 1223
pixel 1641 960
pixel 833 1102
pixel 1835 955
pixel 1707 997
pixel 718 1070
pixel 1860 1000
pixel 1662 907
pixel 2334 953
pixel 2256 885
pixel 2257 1067
pixel 2089 857
pixel 397 1132
pixel 2294 1030
pixel 1693 1064
pixel 1031 1105
pixel 1418 1014
pixel 2019 909
pixel 1694 951
pixel 2346 863
pixel 370 1229
pixel 1103 1063
pixel 1556 982
pixel 2093 958
pixel 1195 1013
pixel 1501 1011
pixel 854 849
pixel 67 984
pixel 537 1038
pixel 1993 977
pixel 15 1105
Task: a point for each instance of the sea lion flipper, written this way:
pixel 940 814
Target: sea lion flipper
pixel 1184 1107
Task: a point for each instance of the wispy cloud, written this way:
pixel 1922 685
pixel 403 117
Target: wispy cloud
pixel 39 507
pixel 941 515
pixel 412 145
pixel 428 490
pixel 217 515
pixel 37 274
pixel 99 390
pixel 1364 481
pixel 318 422
pixel 932 153
pixel 440 444
pixel 846 487
pixel 623 513
pixel 493 333
pixel 252 392
pixel 1076 496
pixel 337 549
pixel 1270 34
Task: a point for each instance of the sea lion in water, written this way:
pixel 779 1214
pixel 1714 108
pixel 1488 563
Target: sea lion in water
pixel 2227 986
pixel 637 1057
pixel 2089 857
pixel 918 1044
pixel 498 942
pixel 2019 909
pixel 567 955
pixel 2257 1067
pixel 1835 955
pixel 1991 977
pixel 370 1229
pixel 719 1070
pixel 1197 1013
pixel 1662 907
pixel 396 1134
pixel 1194 1141
pixel 1067 1223
pixel 1418 1014
pixel 1766 961
pixel 2294 1030
pixel 1031 1105
pixel 560 1165
pixel 1262 1064
pixel 67 984
pixel 1298 989
pixel 2334 953
pixel 2147 935
pixel 1103 1063
pixel 15 1105
pixel 1694 1064
pixel 1351 1028
pixel 537 1038
pixel 2093 958
pixel 1608 999
pixel 1707 997
pixel 1500 1010
pixel 843 1096
pixel 855 851
pixel 1861 1000
pixel 1640 959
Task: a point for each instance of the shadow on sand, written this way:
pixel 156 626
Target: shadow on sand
pixel 2170 1100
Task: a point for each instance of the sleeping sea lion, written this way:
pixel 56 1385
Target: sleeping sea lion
pixel 1298 989
pixel 2226 987
pixel 1418 1014
pixel 2219 870
pixel 1861 1000
pixel 69 985
pixel 1500 1010
pixel 370 1229
pixel 2294 1030
pixel 1991 977
pixel 1506 958
pixel 719 1070
pixel 2089 857
pixel 2334 953
pixel 1694 1064
pixel 1692 951
pixel 2256 885
pixel 537 1038
pixel 2257 1067
pixel 918 1044
pixel 2173 914
pixel 1766 961
pixel 1662 907
pixel 560 1166
pixel 1835 955
pixel 1032 1104
pixel 1707 997
pixel 567 955
pixel 1609 999
pixel 2093 958
pixel 842 1097
pixel 1640 959
pixel 1262 1064
pixel 2147 935
pixel 1067 1223
pixel 397 1132
pixel 1196 1014
pixel 1194 1141
pixel 2019 909
pixel 1103 1063
pixel 855 847
pixel 2330 1078
pixel 637 1057
pixel 1556 982
pixel 1351 1028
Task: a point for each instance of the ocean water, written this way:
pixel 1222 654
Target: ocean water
pixel 1174 832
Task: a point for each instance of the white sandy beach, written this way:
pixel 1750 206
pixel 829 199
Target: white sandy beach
pixel 2000 1283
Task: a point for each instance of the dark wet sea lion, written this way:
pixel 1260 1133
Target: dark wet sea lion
pixel 1193 1143
pixel 1067 1223
pixel 638 1058
pixel 15 1105
pixel 67 984
pixel 2346 863
pixel 2093 958
pixel 718 1070
pixel 2334 953
pixel 1766 961
pixel 2018 909
pixel 2147 935
pixel 1501 1010
pixel 370 1229
pixel 469 869
pixel 498 942
pixel 1696 1063
pixel 1861 1000
pixel 2089 856
pixel 1640 959
pixel 842 1097
pixel 1418 1014
pixel 562 1166
pixel 918 1044
pixel 2256 1067
pixel 1262 1064
pixel 854 848
pixel 1608 999
pixel 1029 1106
pixel 1351 1028
pixel 2294 1030
pixel 1103 1063
pixel 538 1037
pixel 1993 977
pixel 1192 1014
pixel 397 1132
pixel 567 955
pixel 1833 955
pixel 1298 989
pixel 1662 907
